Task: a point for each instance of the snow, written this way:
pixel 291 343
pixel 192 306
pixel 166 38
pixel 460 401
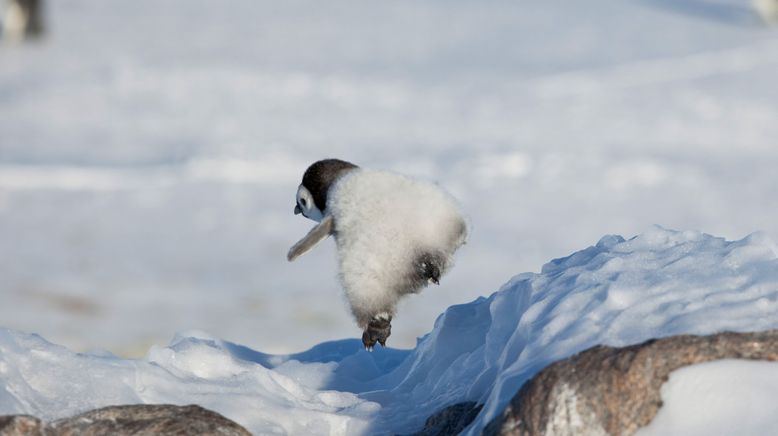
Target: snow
pixel 618 292
pixel 150 151
pixel 53 382
pixel 723 397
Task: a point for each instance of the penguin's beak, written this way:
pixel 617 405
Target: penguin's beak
pixel 297 210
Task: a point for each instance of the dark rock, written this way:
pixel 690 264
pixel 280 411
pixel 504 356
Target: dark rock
pixel 451 420
pixel 616 391
pixel 139 419
pixel 21 425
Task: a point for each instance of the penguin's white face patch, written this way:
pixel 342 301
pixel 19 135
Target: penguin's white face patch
pixel 306 206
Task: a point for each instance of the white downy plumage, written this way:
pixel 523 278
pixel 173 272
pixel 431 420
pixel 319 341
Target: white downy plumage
pixel 383 221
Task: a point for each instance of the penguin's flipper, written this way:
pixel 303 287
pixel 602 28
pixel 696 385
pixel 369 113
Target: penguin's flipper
pixel 316 235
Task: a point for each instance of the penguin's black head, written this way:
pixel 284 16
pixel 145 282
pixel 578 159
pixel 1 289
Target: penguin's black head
pixel 317 180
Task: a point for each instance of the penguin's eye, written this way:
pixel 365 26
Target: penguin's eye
pixel 303 203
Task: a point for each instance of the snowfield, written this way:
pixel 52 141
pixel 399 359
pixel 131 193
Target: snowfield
pixel 617 292
pixel 150 151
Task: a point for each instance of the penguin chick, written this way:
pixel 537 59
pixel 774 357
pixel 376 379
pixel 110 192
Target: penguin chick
pixel 394 236
pixel 768 10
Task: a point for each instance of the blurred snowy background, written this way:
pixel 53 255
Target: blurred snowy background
pixel 150 151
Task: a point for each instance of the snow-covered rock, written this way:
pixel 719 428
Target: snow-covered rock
pixel 609 390
pixel 617 292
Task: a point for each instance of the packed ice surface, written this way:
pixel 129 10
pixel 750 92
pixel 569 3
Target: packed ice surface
pixel 617 292
pixel 723 397
pixel 150 151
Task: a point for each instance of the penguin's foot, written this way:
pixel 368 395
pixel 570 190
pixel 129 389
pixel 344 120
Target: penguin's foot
pixel 378 330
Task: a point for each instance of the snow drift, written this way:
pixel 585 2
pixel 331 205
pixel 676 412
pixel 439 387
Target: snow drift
pixel 617 292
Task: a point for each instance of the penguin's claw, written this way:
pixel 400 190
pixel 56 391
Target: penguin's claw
pixel 367 341
pixel 378 330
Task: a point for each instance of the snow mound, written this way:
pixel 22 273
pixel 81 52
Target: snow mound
pixel 618 292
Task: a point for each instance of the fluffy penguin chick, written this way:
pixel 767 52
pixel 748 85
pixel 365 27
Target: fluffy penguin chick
pixel 394 235
pixel 768 10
